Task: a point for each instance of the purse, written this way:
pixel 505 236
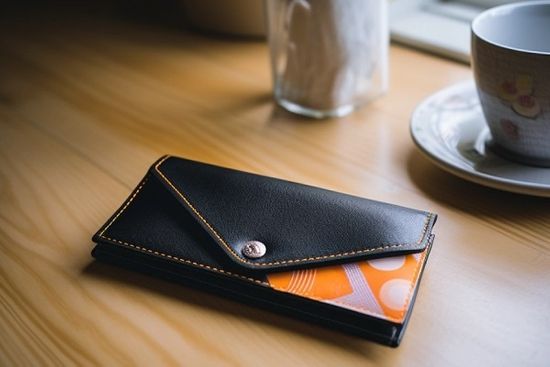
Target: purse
pixel 325 257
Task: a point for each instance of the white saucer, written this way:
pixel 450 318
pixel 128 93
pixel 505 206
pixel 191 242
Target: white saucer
pixel 449 128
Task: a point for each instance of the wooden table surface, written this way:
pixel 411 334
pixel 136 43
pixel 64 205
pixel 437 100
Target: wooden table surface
pixel 87 105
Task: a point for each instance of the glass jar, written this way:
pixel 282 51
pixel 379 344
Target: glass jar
pixel 327 56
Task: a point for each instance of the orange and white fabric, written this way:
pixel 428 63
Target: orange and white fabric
pixel 382 287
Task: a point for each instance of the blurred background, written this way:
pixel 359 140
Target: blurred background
pixel 412 22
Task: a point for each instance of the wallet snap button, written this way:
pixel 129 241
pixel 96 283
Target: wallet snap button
pixel 253 249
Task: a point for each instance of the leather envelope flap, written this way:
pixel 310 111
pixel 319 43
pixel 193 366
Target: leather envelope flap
pixel 300 225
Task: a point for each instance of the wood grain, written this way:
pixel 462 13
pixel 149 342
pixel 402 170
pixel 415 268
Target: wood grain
pixel 86 105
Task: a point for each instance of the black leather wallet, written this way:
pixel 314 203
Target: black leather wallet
pixel 338 260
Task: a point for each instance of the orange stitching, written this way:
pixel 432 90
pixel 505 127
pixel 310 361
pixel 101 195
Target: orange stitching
pixel 347 305
pixel 125 205
pixel 188 203
pixel 212 268
pixel 232 252
pixel 160 253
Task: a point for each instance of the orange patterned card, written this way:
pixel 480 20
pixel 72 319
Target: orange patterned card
pixel 382 287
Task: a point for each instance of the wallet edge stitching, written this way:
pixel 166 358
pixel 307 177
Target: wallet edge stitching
pixel 413 281
pixel 414 278
pixel 141 248
pixel 123 208
pixel 187 261
pixel 260 264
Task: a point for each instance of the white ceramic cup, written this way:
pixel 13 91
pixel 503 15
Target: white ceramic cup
pixel 511 62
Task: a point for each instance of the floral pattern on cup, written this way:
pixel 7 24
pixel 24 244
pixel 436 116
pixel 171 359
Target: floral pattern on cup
pixel 510 129
pixel 526 106
pixel 519 93
pixel 508 91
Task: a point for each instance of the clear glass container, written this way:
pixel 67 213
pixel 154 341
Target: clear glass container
pixel 327 56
